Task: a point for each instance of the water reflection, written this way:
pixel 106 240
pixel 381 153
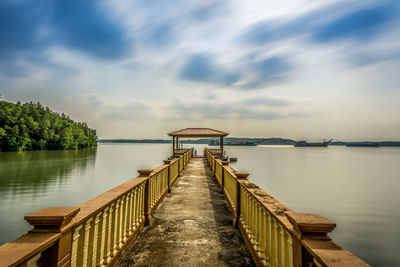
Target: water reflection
pixel 354 187
pixel 33 180
pixel 30 181
pixel 33 171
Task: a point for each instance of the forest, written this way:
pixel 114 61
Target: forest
pixel 31 126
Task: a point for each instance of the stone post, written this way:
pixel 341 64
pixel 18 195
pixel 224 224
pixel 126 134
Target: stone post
pixel 168 161
pixel 54 220
pixel 307 227
pixel 147 212
pixel 239 176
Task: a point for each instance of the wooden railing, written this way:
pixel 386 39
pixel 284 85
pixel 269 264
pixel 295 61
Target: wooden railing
pixel 275 235
pixel 179 151
pixel 215 151
pixel 98 231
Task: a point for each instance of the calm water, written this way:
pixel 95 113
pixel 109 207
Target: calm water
pixel 355 187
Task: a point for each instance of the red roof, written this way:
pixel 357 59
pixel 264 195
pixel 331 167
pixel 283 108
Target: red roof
pixel 198 132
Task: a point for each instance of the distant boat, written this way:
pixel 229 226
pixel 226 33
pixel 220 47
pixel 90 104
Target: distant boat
pixel 304 143
pixel 232 159
pixel 363 144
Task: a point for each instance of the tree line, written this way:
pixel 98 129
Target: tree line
pixel 31 126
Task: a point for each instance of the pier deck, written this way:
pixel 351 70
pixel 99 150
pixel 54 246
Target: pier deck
pixel 191 227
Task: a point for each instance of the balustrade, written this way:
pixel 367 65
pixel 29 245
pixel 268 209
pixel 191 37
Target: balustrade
pixel 275 235
pixel 98 231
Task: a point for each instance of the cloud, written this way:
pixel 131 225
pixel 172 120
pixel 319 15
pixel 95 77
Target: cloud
pixel 18 28
pixel 264 101
pixel 85 25
pixel 267 71
pixel 327 24
pixel 365 59
pixel 160 35
pixel 132 111
pixel 261 73
pixel 360 24
pixel 28 28
pixel 201 68
pixel 261 108
pixel 209 10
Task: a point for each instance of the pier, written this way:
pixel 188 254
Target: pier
pixel 189 211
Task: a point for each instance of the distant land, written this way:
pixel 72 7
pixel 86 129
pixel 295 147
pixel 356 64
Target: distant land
pixel 257 141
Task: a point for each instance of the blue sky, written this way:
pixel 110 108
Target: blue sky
pixel 139 69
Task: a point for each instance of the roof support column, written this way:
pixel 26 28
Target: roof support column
pixel 173 145
pixel 221 145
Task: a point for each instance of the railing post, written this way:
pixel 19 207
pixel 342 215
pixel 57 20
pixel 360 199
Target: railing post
pixel 224 163
pixel 167 161
pixel 239 176
pixel 308 227
pixel 146 208
pixel 50 220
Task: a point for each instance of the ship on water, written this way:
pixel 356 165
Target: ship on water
pixel 304 143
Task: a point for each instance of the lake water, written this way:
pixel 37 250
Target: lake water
pixel 355 187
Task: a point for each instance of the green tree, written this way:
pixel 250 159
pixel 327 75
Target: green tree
pixel 31 126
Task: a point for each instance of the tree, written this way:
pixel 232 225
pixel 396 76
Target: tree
pixel 31 126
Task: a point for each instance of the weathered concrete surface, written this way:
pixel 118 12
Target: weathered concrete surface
pixel 191 227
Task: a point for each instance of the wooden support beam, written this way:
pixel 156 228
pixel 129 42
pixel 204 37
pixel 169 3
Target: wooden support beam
pixel 221 145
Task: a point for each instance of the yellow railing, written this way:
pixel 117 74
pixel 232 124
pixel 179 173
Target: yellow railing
pixel 96 232
pixel 230 188
pixel 174 171
pixel 181 163
pixel 218 171
pixel 271 239
pixel 97 238
pixel 275 235
pixel 216 151
pixel 158 185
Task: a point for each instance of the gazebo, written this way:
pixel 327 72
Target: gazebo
pixel 196 133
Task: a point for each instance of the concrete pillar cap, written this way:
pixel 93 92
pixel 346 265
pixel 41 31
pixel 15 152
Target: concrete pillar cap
pixel 145 172
pixel 311 224
pixel 242 175
pixel 51 219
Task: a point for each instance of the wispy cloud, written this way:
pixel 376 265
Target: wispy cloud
pixel 267 71
pixel 261 108
pixel 361 24
pixel 335 22
pixel 28 28
pixel 202 68
pixel 243 61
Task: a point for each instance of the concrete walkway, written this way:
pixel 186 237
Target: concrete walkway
pixel 191 227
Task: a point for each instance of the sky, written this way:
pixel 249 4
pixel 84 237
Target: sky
pixel 295 69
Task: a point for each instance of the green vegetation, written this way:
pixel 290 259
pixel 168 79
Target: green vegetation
pixel 31 126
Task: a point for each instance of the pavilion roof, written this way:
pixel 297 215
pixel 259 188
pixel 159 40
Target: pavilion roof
pixel 198 132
